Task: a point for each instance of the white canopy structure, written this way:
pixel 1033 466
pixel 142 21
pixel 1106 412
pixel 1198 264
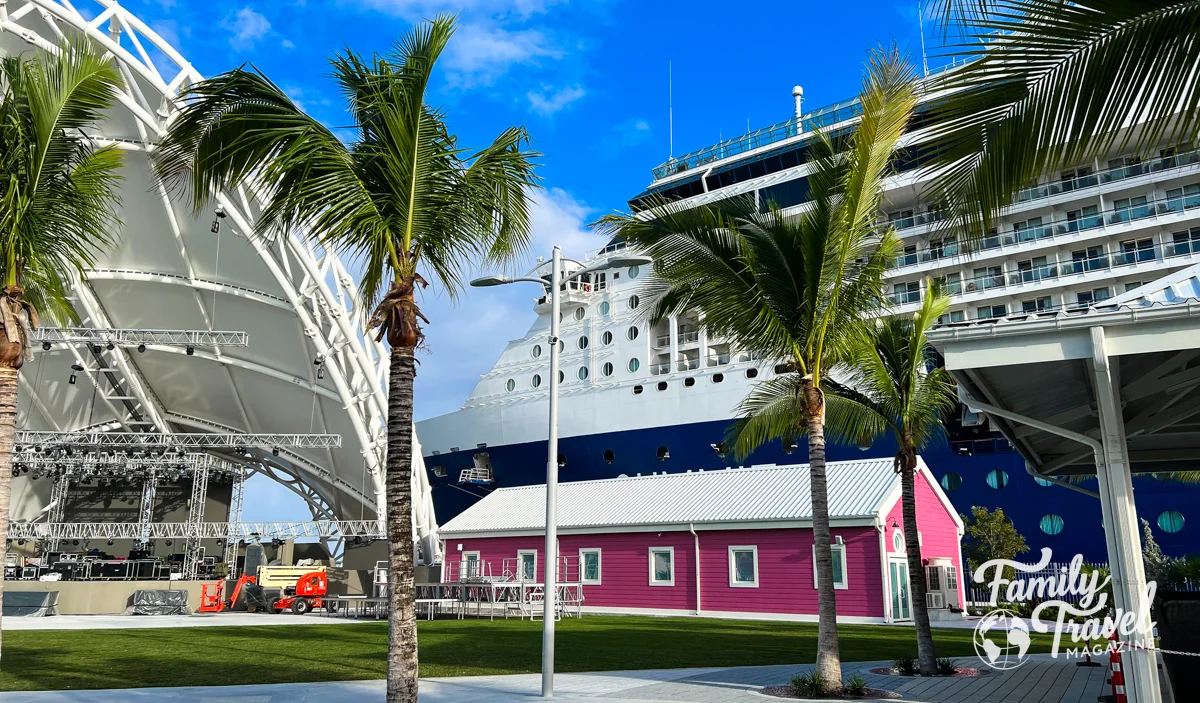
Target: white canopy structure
pixel 308 367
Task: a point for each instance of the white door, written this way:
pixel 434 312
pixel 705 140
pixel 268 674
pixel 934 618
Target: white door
pixel 901 607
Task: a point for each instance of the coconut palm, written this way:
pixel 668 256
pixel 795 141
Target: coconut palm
pixel 889 388
pixel 793 288
pixel 58 202
pixel 402 197
pixel 1056 84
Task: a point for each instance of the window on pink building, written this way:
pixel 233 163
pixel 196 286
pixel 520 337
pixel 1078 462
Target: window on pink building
pixel 839 566
pixel 662 566
pixel 743 567
pixel 589 566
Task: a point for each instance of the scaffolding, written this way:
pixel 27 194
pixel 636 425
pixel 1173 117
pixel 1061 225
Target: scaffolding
pixel 363 529
pixel 193 551
pixel 236 498
pixel 42 441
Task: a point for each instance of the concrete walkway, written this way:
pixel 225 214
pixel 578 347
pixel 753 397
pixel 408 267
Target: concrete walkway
pixel 1040 680
pixel 127 622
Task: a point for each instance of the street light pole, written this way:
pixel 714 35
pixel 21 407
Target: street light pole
pixel 551 566
pixel 550 599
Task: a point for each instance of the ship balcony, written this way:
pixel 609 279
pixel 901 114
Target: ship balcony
pixel 573 293
pixel 717 360
pixel 688 364
pixel 662 341
pixel 660 369
pixel 688 338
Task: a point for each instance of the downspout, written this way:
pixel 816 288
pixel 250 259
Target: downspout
pixel 1095 444
pixel 881 528
pixel 696 539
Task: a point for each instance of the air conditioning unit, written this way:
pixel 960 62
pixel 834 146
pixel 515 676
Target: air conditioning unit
pixel 934 601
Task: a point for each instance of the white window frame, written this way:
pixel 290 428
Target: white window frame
pixel 898 536
pixel 733 582
pixel 650 563
pixel 599 567
pixel 845 584
pixel 478 560
pixel 521 563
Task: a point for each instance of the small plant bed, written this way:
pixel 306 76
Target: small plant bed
pixel 811 686
pixel 908 666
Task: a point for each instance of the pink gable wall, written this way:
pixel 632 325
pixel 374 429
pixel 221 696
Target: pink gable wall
pixel 785 569
pixel 939 533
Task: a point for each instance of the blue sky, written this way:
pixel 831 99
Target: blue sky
pixel 589 80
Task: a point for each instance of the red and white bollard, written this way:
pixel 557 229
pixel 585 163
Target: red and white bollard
pixel 1117 675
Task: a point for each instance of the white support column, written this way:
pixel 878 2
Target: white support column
pixel 1121 525
pixel 673 326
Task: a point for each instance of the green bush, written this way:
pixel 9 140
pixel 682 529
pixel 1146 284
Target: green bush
pixel 906 666
pixel 946 667
pixel 809 685
pixel 856 686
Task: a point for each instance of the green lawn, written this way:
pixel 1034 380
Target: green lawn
pixel 79 659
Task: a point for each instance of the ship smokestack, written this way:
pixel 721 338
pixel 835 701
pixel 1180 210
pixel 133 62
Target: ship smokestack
pixel 798 95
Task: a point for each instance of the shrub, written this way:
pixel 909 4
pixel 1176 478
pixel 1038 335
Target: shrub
pixel 906 666
pixel 807 685
pixel 946 667
pixel 856 686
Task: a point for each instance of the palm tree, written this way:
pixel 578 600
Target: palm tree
pixel 796 289
pixel 58 203
pixel 1056 84
pixel 402 196
pixel 889 388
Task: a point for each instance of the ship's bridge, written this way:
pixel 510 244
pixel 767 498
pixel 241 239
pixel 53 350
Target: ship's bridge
pixel 308 367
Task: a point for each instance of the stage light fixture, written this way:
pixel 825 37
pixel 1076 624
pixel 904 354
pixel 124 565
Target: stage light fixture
pixel 141 349
pixel 110 543
pixel 191 350
pixel 95 348
pixel 46 346
pixel 110 346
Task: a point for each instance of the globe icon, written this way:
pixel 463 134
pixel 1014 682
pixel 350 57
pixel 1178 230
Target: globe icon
pixel 1002 640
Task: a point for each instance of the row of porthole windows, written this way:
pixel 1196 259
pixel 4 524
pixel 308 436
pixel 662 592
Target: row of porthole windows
pixel 996 478
pixel 580 313
pixel 583 341
pixel 633 365
pixel 1170 521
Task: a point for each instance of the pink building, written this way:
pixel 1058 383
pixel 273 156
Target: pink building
pixel 731 543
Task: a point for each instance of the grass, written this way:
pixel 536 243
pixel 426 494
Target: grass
pixel 199 656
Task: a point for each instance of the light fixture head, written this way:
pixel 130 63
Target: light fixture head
pixel 141 348
pixel 488 281
pixel 46 346
pixel 191 350
pixel 110 346
pixel 627 261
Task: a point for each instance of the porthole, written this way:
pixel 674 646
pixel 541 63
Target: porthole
pixel 751 373
pixel 606 338
pixel 689 382
pixel 604 308
pixel 897 541
pixel 562 460
pixel 583 342
pixel 951 482
pixel 633 302
pixel 536 380
pixel 609 457
pixel 718 377
pixel 511 385
pixel 583 373
pixel 561 345
pixel 722 449
pixel 1170 521
pixel 634 364
pixel 536 351
pixel 439 471
pixel 1043 481
pixel 1051 524
pixel 580 313
pixel 607 369
pixel 662 385
pixel 634 271
pixel 997 478
pixel 663 454
pixel 637 390
pixel 561 377
pixel 632 333
pixel 560 317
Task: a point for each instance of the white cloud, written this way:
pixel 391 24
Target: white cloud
pixel 247 27
pixel 479 54
pixel 420 9
pixel 549 102
pixel 631 132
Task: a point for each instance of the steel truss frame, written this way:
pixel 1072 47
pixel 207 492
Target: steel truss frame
pixel 46 440
pixel 363 529
pixel 315 283
pixel 134 337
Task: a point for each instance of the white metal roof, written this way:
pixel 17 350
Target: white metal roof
pixel 863 489
pixel 1177 287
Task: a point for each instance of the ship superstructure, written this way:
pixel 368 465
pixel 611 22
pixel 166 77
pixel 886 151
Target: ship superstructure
pixel 641 398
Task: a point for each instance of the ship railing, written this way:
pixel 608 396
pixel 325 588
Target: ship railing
pixel 689 364
pixel 689 337
pixel 476 475
pixel 718 359
pixel 659 369
pixel 662 340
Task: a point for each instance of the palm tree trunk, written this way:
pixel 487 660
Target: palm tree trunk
pixel 916 568
pixel 402 630
pixel 8 422
pixel 829 663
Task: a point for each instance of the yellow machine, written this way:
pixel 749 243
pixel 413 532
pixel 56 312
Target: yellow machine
pixel 283 576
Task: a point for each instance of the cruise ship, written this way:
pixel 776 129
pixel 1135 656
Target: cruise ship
pixel 639 398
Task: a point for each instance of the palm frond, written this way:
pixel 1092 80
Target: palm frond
pixel 1056 84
